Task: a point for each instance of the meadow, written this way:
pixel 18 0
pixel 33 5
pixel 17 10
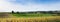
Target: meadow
pixel 39 17
pixel 29 17
pixel 32 15
pixel 34 19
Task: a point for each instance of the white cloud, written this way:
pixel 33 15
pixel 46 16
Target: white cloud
pixel 7 6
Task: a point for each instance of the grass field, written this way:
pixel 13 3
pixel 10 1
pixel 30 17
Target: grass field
pixel 32 15
pixel 31 18
pixel 34 19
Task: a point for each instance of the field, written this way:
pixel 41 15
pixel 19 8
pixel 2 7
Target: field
pixel 32 15
pixel 30 18
pixel 34 19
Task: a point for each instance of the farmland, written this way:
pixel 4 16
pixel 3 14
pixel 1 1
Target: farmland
pixel 29 17
pixel 34 19
pixel 32 15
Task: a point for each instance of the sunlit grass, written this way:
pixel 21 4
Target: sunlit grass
pixel 34 19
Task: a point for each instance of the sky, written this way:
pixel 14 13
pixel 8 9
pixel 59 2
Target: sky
pixel 29 5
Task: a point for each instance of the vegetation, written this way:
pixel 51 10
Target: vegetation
pixel 37 14
pixel 37 19
pixel 3 15
pixel 13 12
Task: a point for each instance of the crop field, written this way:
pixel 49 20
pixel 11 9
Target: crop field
pixel 34 19
pixel 29 18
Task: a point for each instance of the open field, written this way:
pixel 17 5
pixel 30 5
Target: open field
pixel 30 18
pixel 34 19
pixel 32 15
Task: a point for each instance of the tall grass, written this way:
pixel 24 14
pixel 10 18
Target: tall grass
pixel 35 19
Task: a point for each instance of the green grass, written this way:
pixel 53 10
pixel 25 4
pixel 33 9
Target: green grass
pixel 31 15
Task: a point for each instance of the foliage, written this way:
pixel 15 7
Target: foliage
pixel 12 11
pixel 37 13
pixel 17 12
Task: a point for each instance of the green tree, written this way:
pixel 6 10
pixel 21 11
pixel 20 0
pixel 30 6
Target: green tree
pixel 17 12
pixel 50 12
pixel 12 11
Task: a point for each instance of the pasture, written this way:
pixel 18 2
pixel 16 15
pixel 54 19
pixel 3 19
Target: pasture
pixel 34 19
pixel 32 15
pixel 39 17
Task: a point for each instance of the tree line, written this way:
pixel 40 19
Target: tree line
pixel 44 12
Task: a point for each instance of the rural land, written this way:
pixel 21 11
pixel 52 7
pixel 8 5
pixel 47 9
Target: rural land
pixel 31 16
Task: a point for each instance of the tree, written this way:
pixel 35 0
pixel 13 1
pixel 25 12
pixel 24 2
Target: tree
pixel 12 11
pixel 50 12
pixel 17 12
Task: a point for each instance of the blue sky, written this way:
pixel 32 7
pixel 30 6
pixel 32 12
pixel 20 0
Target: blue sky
pixel 29 5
